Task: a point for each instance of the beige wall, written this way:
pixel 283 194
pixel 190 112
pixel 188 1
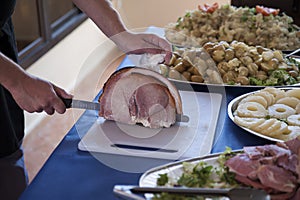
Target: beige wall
pixel 143 13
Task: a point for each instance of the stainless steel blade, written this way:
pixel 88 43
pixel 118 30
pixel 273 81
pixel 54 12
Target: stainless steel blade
pixel 96 106
pixel 182 118
pixel 85 105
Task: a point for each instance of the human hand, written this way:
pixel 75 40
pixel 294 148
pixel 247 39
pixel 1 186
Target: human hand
pixel 37 95
pixel 139 43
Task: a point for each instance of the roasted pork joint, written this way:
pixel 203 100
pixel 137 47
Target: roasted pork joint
pixel 136 95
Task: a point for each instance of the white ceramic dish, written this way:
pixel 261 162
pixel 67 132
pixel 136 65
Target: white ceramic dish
pixel 226 85
pixel 232 106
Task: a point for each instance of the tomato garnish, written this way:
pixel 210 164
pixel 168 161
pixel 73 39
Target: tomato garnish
pixel 209 8
pixel 267 11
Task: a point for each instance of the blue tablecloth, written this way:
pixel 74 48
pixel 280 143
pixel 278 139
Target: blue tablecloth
pixel 72 174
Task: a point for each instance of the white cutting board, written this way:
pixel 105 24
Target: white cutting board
pixel 180 141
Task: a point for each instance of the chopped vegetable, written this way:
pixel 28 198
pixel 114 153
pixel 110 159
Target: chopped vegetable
pixel 209 8
pixel 200 175
pixel 162 180
pixel 267 11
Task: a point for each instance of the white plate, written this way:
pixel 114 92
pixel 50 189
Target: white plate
pixel 232 106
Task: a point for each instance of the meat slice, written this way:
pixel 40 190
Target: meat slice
pixel 253 152
pixel 155 110
pixel 135 95
pixel 288 162
pixel 247 181
pixel 277 178
pixel 273 150
pixel 293 145
pixel 242 165
pixel 273 168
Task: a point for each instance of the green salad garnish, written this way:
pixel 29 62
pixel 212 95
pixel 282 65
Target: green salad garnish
pixel 201 175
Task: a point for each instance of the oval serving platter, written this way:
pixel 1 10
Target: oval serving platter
pixel 232 86
pixel 226 85
pixel 295 57
pixel 233 104
pixel 174 169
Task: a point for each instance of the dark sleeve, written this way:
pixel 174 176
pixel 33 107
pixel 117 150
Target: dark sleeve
pixel 8 42
pixel 11 115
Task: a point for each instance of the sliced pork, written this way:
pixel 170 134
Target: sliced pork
pixel 135 95
pixel 274 168
pixel 242 165
pixel 276 178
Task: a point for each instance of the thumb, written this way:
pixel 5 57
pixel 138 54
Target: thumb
pixel 62 93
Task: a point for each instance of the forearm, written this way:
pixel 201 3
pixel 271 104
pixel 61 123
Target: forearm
pixel 103 14
pixel 110 23
pixel 31 93
pixel 10 72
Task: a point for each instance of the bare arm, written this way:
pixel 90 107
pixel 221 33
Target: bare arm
pixel 31 93
pixel 110 23
pixel 103 14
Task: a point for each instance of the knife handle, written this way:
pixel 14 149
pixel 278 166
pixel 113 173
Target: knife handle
pixel 67 102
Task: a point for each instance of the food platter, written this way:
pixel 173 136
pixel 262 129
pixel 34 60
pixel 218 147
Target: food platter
pixel 229 23
pixel 174 170
pixel 232 106
pixel 212 85
pixel 232 112
pixel 256 67
pixel 149 178
pixel 240 168
pixel 198 29
pixel 212 80
pixel 245 168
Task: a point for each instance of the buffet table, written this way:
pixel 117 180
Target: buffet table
pixel 70 173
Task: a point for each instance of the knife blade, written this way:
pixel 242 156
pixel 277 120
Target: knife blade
pixel 88 105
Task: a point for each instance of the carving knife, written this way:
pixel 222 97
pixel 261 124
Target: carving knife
pixel 88 105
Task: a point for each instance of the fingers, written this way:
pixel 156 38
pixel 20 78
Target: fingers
pixel 49 110
pixel 161 43
pixel 62 93
pixel 158 45
pixel 168 57
pixel 51 102
pixel 52 105
pixel 147 43
pixel 37 95
pixel 59 106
